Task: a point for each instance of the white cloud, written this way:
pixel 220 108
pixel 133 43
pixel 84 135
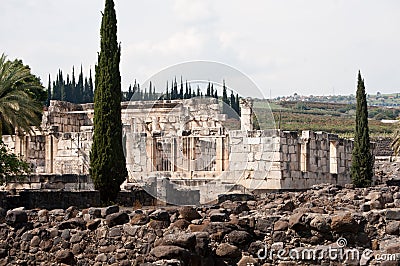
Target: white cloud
pixel 193 11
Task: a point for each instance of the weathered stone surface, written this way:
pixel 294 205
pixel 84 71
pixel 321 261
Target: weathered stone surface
pixel 228 251
pixel 109 210
pixel 297 222
pixel 321 217
pixel 247 261
pixel 344 223
pixel 93 224
pixel 72 223
pixel 238 238
pixel 189 213
pixel 159 215
pixel 140 219
pixel 218 217
pixel 169 252
pixel 16 217
pixel 281 225
pixel 392 228
pixel 180 224
pixel 184 240
pixel 118 218
pixel 65 256
pixel 393 214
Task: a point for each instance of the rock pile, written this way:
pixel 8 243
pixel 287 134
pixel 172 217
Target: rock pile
pixel 284 228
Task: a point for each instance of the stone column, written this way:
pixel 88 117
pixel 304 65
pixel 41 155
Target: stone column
pixel 49 154
pixel 192 154
pixel 246 117
pixel 219 167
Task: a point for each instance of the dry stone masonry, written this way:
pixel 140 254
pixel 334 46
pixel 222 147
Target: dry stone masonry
pixel 231 232
pixel 186 141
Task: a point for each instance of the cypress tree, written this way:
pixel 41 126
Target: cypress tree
pixel 174 94
pixel 362 160
pixel 225 99
pixel 79 88
pixel 186 95
pixel 181 94
pixel 237 105
pixel 233 101
pixel 48 93
pixel 85 96
pixel 91 87
pixel 107 161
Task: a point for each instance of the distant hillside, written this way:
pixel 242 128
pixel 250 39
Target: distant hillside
pixel 330 117
pixel 387 100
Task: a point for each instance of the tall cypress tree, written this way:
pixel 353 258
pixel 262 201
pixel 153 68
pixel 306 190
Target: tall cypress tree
pixel 225 100
pixel 107 161
pixel 48 93
pixel 362 160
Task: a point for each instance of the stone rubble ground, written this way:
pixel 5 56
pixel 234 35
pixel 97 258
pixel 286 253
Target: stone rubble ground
pixel 228 233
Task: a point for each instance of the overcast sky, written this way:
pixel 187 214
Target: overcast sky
pixel 308 47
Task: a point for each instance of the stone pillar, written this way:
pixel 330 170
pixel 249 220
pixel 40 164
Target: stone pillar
pixel 150 154
pixel 49 154
pixel 192 154
pixel 246 117
pixel 219 167
pixel 305 155
pixel 173 154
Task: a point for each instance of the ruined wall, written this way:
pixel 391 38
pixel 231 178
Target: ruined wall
pixel 313 158
pixel 30 147
pixel 67 117
pixel 186 141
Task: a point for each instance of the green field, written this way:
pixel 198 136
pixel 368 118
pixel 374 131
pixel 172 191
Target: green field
pixel 329 117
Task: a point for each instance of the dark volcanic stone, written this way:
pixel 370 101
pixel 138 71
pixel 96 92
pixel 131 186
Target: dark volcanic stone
pixel 296 222
pixel 235 197
pixel 344 223
pixel 238 238
pixel 181 224
pixel 393 214
pixel 169 252
pixel 93 224
pixel 189 213
pixel 109 210
pixel 392 228
pixel 265 224
pixel 66 257
pixel 228 251
pixel 281 226
pixel 3 253
pixel 140 219
pixel 14 218
pixel 72 223
pixel 184 240
pixel 117 219
pixel 218 217
pixel 159 215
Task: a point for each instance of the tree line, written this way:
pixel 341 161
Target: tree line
pixel 181 91
pixel 70 90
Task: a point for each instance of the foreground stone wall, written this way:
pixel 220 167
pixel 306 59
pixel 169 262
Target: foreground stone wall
pixel 305 227
pixel 59 199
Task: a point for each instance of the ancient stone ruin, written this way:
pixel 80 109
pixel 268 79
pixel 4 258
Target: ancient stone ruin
pixel 187 142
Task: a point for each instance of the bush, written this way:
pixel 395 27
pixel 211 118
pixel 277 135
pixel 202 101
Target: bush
pixel 10 165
